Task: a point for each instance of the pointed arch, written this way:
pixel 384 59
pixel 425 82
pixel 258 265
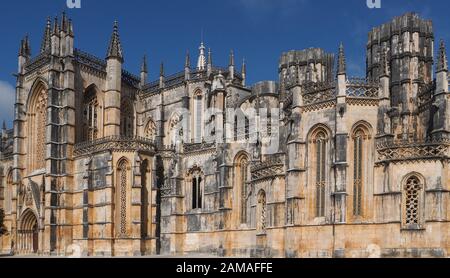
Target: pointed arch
pixel 28 231
pixel 91 113
pixel 123 198
pixel 197 116
pixel 360 137
pixel 242 177
pixel 37 125
pixel 261 212
pixel 319 139
pixel 195 185
pixel 413 201
pixel 8 190
pixel 127 117
pixel 150 131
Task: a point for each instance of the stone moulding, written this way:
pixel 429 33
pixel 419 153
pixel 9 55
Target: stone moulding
pixel 115 143
pixel 269 169
pixel 417 151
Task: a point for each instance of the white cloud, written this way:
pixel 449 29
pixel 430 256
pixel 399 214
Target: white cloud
pixel 7 98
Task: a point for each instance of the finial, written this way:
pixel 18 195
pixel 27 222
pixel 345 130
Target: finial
pixel 187 63
pixel 244 66
pixel 232 58
pixel 55 26
pixel 341 61
pixel 161 69
pixel 46 40
pixel 209 57
pixel 115 47
pixel 442 63
pixel 144 67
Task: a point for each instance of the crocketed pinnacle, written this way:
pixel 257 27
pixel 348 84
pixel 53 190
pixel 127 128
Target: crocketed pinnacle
pixel 115 47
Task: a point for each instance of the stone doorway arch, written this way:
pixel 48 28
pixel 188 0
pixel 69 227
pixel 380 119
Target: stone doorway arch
pixel 28 233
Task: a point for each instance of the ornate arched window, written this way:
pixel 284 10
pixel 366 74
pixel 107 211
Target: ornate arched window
pixel 122 200
pixel 262 212
pixel 144 199
pixel 197 188
pixel 359 138
pixel 412 202
pixel 198 117
pixel 320 147
pixel 127 118
pixel 8 193
pixel 38 127
pixel 90 115
pixel 150 130
pixel 242 178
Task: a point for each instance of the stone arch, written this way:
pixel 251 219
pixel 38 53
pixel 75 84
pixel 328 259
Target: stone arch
pixel 360 157
pixel 195 188
pixel 127 117
pixel 37 125
pixel 319 142
pixel 91 113
pixel 28 232
pixel 123 197
pixel 261 212
pixel 241 179
pixel 150 130
pixel 413 200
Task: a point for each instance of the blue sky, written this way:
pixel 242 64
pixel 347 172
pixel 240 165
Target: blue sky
pixel 258 30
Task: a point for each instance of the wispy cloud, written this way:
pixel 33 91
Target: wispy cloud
pixel 7 96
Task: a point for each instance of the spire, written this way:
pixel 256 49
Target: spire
pixel 70 28
pixel 341 61
pixel 55 27
pixel 115 47
pixel 161 69
pixel 442 63
pixel 231 58
pixel 187 63
pixel 64 22
pixel 244 67
pixel 4 125
pixel 210 62
pixel 27 46
pixel 22 48
pixel 144 67
pixel 46 40
pixel 201 64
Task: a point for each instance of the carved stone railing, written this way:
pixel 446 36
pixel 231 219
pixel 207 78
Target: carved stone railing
pixel 362 88
pixel 269 169
pixel 195 147
pixel 318 92
pixel 114 143
pixel 37 62
pixel 404 151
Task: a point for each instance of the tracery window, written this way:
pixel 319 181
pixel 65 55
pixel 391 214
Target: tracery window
pixel 262 212
pixel 198 117
pixel 358 171
pixel 150 130
pixel 320 148
pixel 8 193
pixel 90 117
pixel 122 197
pixel 38 128
pixel 197 188
pixel 242 170
pixel 127 118
pixel 412 201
